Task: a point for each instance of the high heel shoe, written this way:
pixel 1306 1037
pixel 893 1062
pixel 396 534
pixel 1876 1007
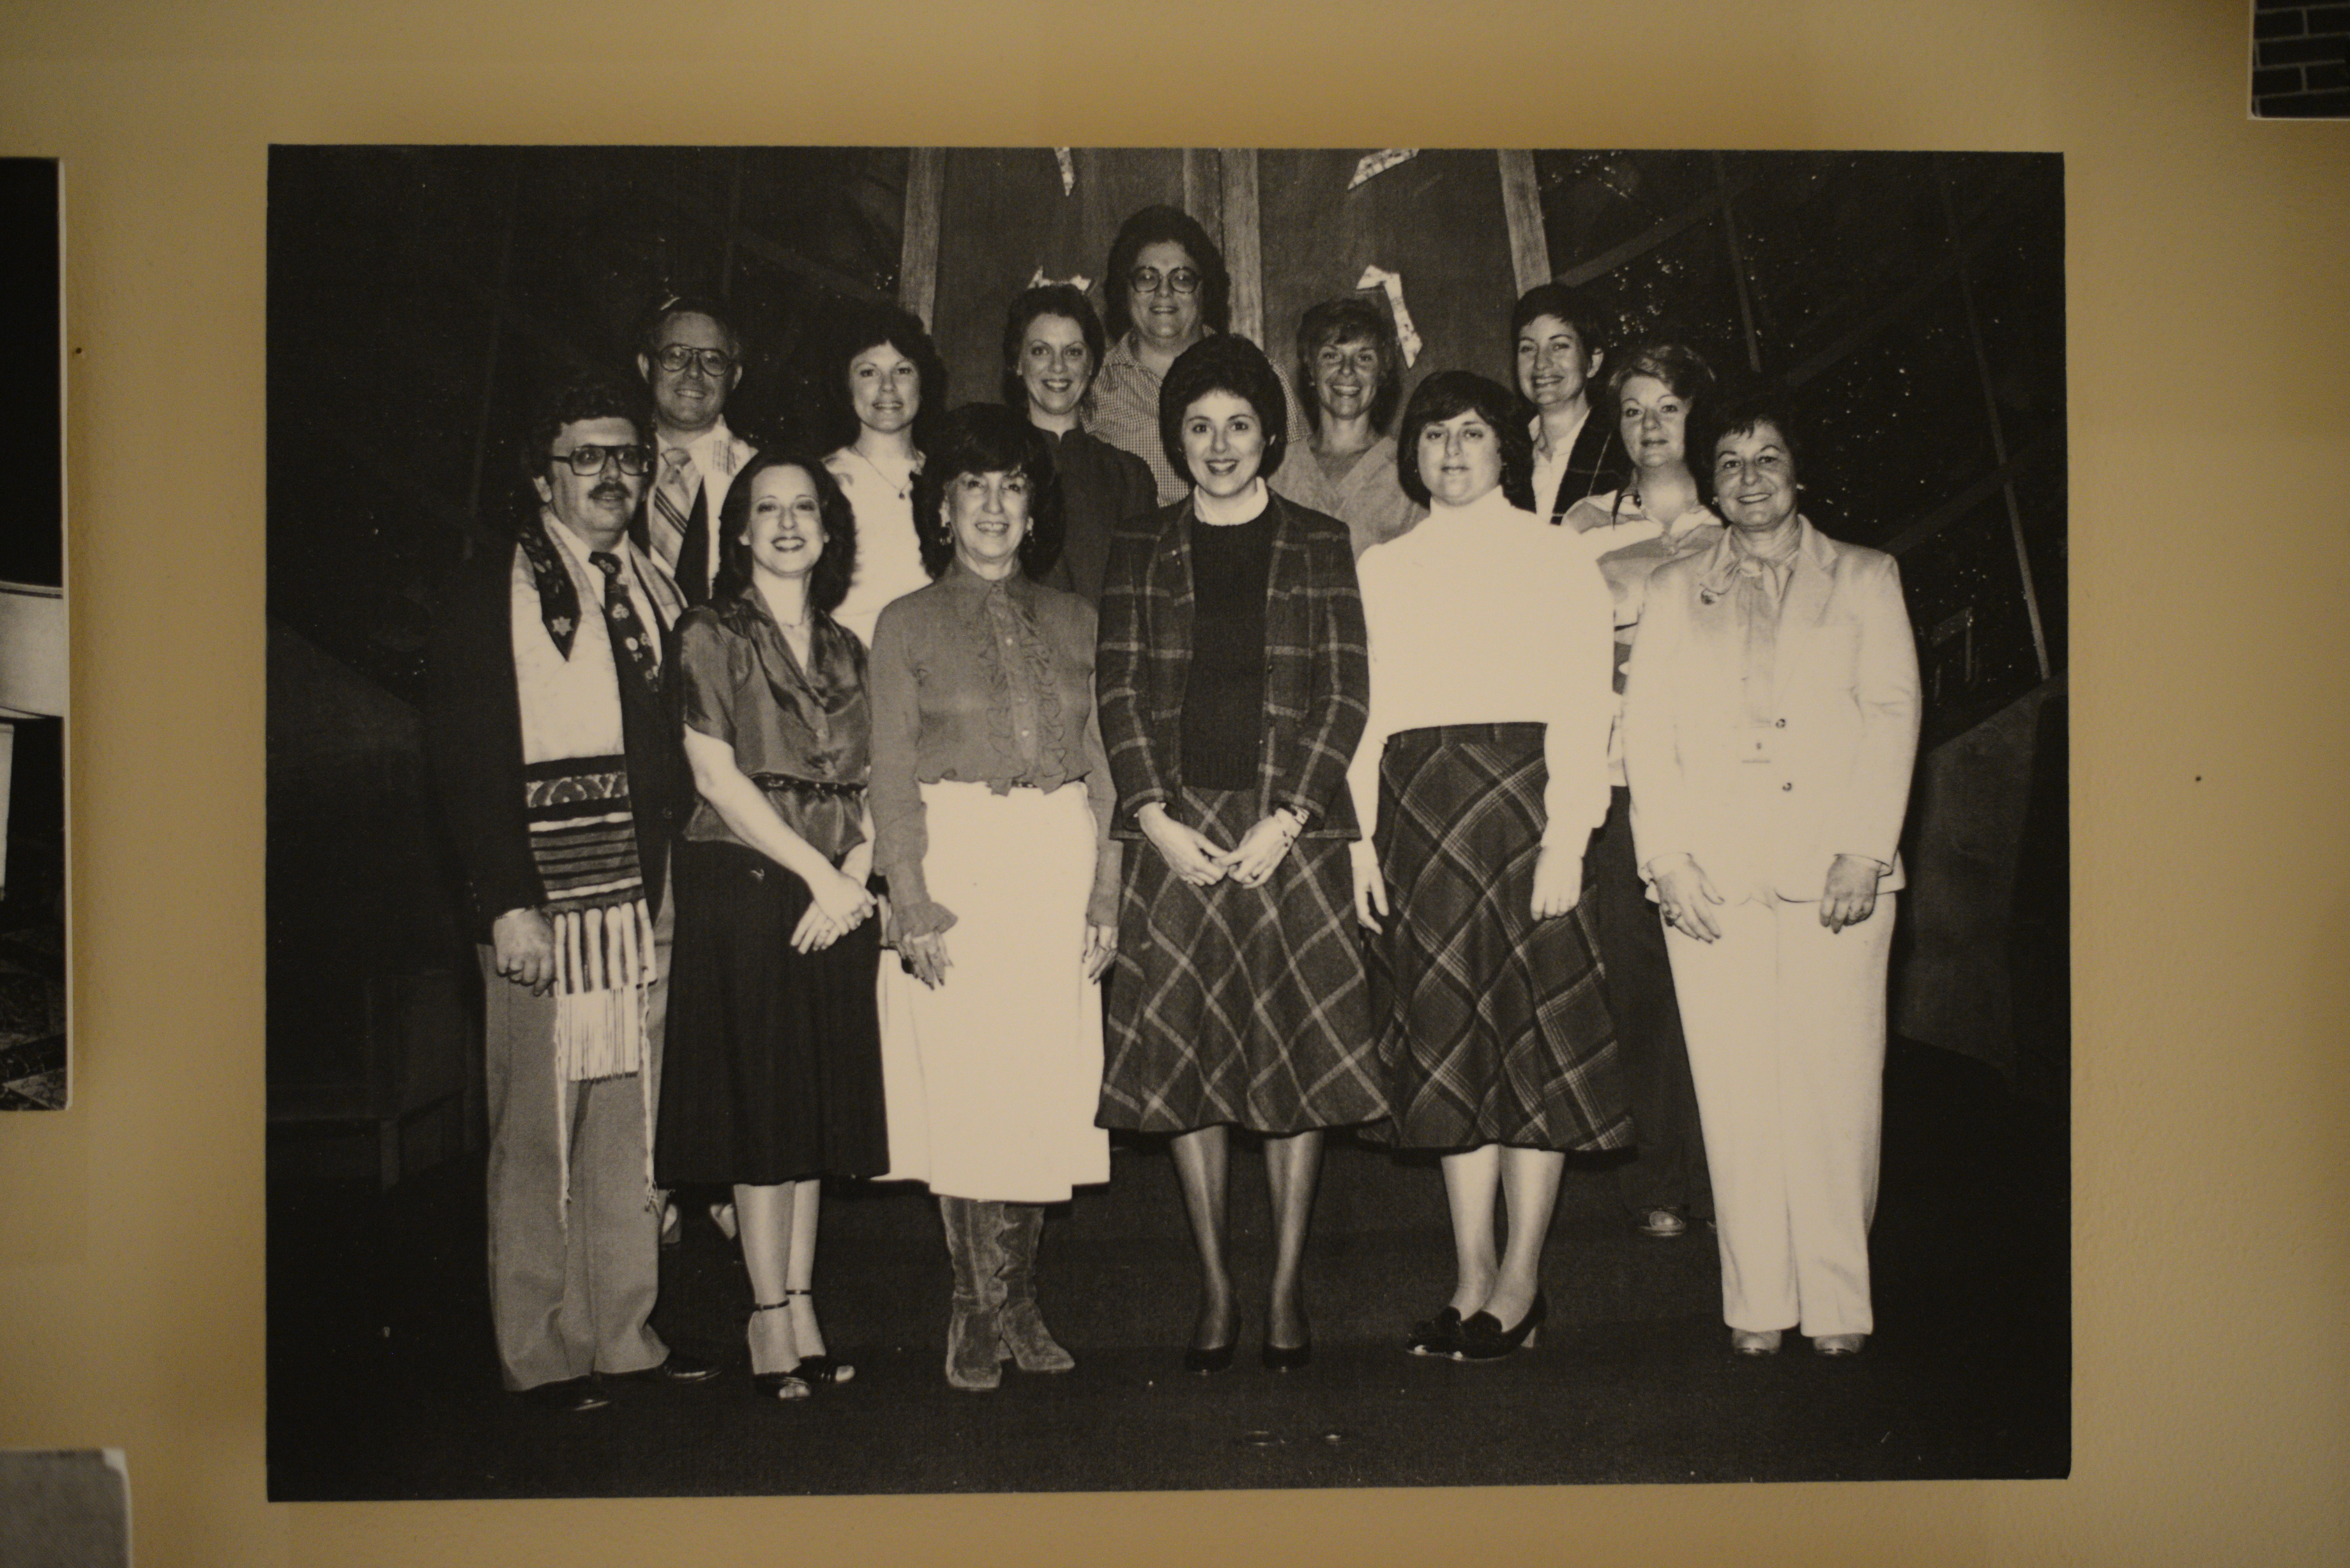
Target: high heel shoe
pixel 1840 1344
pixel 1217 1359
pixel 1754 1341
pixel 1482 1337
pixel 1288 1357
pixel 1440 1335
pixel 778 1386
pixel 825 1369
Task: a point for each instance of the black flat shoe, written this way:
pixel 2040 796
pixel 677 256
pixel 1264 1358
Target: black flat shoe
pixel 1482 1337
pixel 1440 1335
pixel 1204 1362
pixel 679 1368
pixel 1286 1357
pixel 571 1396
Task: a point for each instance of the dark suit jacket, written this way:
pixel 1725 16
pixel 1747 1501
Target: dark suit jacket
pixel 472 737
pixel 1597 461
pixel 1317 673
pixel 1101 487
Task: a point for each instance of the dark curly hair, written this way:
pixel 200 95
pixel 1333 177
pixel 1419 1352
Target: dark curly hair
pixel 988 438
pixel 1048 299
pixel 1225 363
pixel 828 582
pixel 863 326
pixel 585 397
pixel 1448 394
pixel 1157 225
pixel 1353 320
pixel 1742 414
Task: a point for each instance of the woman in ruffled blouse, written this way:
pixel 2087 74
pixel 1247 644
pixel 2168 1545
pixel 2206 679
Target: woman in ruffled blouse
pixel 773 1074
pixel 992 807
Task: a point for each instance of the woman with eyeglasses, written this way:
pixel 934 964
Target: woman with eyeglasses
pixel 1350 361
pixel 992 803
pixel 1485 757
pixel 1052 345
pixel 883 373
pixel 1232 685
pixel 1167 289
pixel 773 1076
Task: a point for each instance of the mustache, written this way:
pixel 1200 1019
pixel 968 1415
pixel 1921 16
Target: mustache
pixel 609 491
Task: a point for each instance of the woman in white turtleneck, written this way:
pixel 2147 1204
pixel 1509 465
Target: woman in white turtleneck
pixel 1484 767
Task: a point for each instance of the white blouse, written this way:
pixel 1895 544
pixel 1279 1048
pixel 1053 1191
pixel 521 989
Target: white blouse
pixel 1485 614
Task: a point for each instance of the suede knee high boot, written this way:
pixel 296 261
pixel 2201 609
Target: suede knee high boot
pixel 975 1331
pixel 1032 1346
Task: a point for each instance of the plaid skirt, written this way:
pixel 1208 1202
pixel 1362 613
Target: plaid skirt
pixel 1492 1026
pixel 1233 1005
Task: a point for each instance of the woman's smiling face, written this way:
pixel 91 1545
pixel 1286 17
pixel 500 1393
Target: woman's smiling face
pixel 1459 457
pixel 1224 443
pixel 783 529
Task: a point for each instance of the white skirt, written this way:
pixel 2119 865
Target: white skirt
pixel 991 1080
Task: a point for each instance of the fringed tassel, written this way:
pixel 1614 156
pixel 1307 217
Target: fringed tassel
pixel 603 998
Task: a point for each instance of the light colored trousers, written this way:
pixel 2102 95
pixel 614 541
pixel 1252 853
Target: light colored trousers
pixel 1785 1022
pixel 569 1294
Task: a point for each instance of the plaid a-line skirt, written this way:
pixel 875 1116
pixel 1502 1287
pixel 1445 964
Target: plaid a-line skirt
pixel 1239 1006
pixel 1492 1025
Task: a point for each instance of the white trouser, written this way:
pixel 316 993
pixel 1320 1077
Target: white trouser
pixel 1785 1022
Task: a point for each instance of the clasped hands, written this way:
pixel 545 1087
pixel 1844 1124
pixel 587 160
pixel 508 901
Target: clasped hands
pixel 1194 858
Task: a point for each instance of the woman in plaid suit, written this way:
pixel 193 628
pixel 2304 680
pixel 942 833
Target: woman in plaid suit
pixel 1233 686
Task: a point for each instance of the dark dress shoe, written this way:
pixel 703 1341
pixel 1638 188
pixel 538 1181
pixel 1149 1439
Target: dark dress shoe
pixel 1440 1335
pixel 1482 1337
pixel 1205 1362
pixel 1286 1357
pixel 679 1368
pixel 571 1396
pixel 815 1369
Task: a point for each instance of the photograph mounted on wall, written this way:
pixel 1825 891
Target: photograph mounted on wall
pixel 35 1069
pixel 1067 819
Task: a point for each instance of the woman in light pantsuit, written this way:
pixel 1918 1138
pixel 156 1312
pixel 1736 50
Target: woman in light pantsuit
pixel 1769 727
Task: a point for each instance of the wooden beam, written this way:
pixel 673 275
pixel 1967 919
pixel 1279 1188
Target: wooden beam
pixel 918 261
pixel 1203 191
pixel 1243 252
pixel 1522 205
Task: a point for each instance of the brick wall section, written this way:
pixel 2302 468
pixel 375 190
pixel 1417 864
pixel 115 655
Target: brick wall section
pixel 2301 59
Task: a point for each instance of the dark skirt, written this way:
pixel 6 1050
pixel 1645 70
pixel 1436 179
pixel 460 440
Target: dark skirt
pixel 1241 1006
pixel 771 1067
pixel 1493 1027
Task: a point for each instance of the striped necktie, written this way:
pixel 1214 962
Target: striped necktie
pixel 677 495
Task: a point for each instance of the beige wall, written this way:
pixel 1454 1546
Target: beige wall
pixel 2208 341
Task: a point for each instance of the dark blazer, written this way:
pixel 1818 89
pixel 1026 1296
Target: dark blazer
pixel 1317 673
pixel 1101 487
pixel 1597 461
pixel 472 739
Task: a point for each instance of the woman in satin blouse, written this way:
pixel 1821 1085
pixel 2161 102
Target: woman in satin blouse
pixel 992 807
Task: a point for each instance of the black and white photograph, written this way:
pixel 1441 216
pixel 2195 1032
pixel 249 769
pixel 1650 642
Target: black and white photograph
pixel 1522 694
pixel 34 1063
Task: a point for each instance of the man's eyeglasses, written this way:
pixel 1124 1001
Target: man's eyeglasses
pixel 714 362
pixel 1147 279
pixel 586 460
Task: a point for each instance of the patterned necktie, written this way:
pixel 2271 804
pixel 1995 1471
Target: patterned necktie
pixel 632 642
pixel 674 496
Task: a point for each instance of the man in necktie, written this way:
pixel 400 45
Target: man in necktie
pixel 691 358
pixel 561 777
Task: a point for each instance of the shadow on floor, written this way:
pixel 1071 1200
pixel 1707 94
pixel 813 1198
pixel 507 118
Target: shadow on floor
pixel 382 1382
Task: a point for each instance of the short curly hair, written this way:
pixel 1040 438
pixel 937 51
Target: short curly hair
pixel 1352 319
pixel 835 569
pixel 1048 299
pixel 1167 225
pixel 988 438
pixel 1448 395
pixel 1224 363
pixel 583 396
pixel 1742 414
pixel 863 326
